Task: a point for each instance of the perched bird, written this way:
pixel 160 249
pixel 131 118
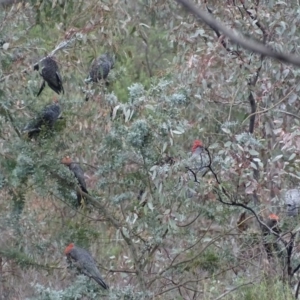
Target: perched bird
pixel 100 68
pixel 198 159
pixel 50 74
pixel 272 222
pixel 193 164
pixel 271 246
pixel 47 118
pixel 79 174
pixel 197 148
pixel 84 261
pixel 292 202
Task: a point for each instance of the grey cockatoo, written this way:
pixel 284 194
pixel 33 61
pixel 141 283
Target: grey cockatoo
pixel 100 68
pixel 47 118
pixel 84 262
pixel 79 174
pixel 50 74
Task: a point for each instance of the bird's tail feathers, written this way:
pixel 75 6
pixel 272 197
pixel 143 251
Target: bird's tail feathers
pixel 101 282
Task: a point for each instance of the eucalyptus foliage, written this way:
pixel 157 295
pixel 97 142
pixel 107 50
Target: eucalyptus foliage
pixel 157 229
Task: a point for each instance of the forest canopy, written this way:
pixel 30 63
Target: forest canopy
pixel 155 143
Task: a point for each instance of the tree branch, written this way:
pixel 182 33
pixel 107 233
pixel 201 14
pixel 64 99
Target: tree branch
pixel 239 38
pixel 232 290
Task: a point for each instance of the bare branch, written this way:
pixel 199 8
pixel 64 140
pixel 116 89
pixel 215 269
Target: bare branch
pixel 232 290
pixel 239 38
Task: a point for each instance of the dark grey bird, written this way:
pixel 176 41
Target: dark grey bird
pixel 50 74
pixel 85 263
pixel 100 68
pixel 79 174
pixel 46 118
pixel 271 246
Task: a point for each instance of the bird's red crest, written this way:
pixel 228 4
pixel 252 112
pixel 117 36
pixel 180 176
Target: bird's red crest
pixel 273 217
pixel 196 144
pixel 55 99
pixel 69 248
pixel 66 160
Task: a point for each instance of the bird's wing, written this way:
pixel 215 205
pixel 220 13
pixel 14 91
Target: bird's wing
pixel 59 80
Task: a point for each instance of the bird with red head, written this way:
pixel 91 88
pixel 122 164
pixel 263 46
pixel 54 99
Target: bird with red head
pixel 85 263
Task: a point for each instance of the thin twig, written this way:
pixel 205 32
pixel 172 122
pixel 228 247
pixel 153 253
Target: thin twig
pixel 233 289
